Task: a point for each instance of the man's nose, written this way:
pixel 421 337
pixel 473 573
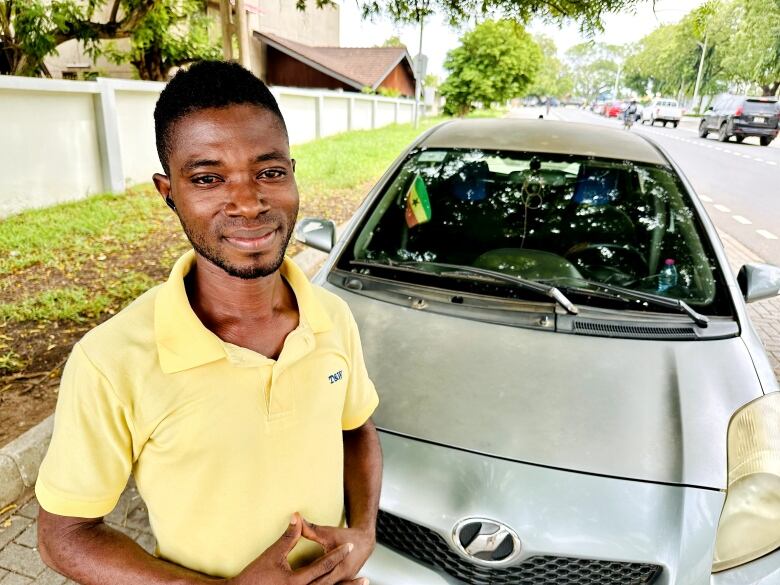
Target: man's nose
pixel 246 199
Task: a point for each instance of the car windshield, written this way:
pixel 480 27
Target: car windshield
pixel 561 219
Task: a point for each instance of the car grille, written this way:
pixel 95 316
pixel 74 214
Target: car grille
pixel 429 547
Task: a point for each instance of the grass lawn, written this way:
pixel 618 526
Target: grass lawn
pixel 66 268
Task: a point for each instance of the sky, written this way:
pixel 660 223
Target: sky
pixel 438 37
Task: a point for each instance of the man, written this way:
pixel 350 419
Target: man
pixel 235 392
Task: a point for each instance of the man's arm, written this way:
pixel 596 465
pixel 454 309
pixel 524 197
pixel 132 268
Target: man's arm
pixel 362 484
pixel 362 476
pixel 91 553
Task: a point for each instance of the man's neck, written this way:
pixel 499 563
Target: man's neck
pixel 220 299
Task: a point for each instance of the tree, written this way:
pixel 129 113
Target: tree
pixel 172 34
pixel 594 68
pixel 553 78
pixel 495 62
pixel 162 33
pixel 668 58
pixel 750 47
pixel 31 30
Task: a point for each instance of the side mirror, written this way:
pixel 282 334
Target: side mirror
pixel 759 281
pixel 320 234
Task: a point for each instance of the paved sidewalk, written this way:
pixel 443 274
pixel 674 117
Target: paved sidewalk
pixel 21 565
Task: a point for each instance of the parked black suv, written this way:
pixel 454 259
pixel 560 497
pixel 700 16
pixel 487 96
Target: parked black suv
pixel 740 117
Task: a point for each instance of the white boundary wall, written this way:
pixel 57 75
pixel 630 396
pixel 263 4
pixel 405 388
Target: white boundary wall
pixel 65 140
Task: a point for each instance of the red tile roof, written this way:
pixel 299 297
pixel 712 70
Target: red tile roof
pixel 356 66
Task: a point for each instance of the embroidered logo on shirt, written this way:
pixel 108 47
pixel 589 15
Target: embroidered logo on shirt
pixel 335 377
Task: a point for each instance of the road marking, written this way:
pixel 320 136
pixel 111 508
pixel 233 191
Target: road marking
pixel 759 159
pixel 705 199
pixel 766 234
pixel 718 148
pixel 742 220
pixel 771 162
pixel 722 208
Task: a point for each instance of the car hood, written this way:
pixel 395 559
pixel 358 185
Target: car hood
pixel 637 409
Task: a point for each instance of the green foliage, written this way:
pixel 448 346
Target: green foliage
pixel 742 41
pixel 10 363
pixel 394 41
pixel 553 78
pixel 389 92
pixel 163 33
pixel 588 14
pixel 494 63
pixel 76 303
pixel 173 33
pixel 593 67
pixel 750 45
pixel 666 61
pixel 102 223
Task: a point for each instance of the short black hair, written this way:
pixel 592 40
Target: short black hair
pixel 207 84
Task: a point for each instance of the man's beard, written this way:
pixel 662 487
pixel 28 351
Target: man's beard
pixel 213 255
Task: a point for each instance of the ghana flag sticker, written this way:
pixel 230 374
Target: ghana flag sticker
pixel 418 206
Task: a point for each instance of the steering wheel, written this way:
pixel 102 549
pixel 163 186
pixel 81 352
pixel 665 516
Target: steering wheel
pixel 608 268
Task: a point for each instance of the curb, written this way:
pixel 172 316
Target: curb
pixel 21 458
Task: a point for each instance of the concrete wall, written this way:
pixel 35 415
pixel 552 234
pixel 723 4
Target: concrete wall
pixel 65 140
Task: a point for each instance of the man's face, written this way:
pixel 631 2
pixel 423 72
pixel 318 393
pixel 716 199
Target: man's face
pixel 231 179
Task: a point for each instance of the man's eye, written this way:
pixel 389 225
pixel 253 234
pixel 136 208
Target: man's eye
pixel 205 180
pixel 272 174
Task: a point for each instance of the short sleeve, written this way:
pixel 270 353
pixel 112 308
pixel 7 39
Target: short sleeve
pixel 90 455
pixel 361 399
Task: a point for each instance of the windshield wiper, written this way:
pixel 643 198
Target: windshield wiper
pixel 657 300
pixel 458 270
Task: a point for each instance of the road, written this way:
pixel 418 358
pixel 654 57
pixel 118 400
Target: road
pixel 739 183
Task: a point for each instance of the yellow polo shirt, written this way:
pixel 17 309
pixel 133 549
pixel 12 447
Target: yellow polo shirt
pixel 224 443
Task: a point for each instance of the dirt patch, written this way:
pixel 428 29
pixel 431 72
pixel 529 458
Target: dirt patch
pixel 29 393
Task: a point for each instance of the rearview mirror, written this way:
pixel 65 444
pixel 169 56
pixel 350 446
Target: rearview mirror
pixel 759 281
pixel 320 234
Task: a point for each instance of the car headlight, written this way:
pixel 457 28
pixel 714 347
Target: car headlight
pixel 750 522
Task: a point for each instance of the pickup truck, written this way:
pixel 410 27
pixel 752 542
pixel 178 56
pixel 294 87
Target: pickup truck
pixel 662 110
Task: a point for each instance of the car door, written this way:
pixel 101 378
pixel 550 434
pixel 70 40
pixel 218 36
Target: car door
pixel 710 114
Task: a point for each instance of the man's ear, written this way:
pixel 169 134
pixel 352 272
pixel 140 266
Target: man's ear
pixel 163 185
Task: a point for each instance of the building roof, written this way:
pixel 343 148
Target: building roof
pixel 355 66
pixel 548 136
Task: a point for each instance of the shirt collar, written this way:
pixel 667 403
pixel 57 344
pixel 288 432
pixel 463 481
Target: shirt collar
pixel 182 340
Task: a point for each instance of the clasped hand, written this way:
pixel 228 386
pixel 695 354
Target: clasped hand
pixel 346 550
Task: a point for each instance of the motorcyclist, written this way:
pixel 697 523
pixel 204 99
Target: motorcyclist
pixel 630 114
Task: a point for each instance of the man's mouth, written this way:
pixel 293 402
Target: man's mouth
pixel 253 240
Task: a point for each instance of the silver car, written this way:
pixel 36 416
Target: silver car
pixel 572 392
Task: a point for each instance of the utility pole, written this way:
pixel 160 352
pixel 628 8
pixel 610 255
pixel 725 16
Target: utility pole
pixel 698 76
pixel 617 81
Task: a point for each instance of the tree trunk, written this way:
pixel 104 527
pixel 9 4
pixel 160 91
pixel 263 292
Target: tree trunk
pixel 770 89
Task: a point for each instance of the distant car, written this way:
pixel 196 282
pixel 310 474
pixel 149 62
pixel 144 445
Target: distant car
pixel 742 117
pixel 572 391
pixel 664 110
pixel 614 109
